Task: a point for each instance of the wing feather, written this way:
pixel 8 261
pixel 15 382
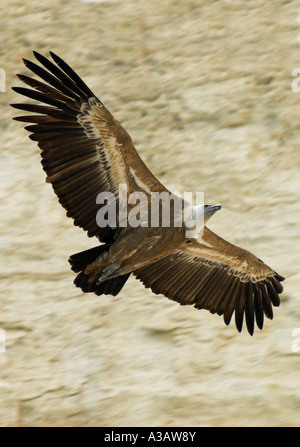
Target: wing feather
pixel 213 274
pixel 258 308
pixel 240 308
pixel 267 306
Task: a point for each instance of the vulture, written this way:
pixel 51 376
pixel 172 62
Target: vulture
pixel 88 156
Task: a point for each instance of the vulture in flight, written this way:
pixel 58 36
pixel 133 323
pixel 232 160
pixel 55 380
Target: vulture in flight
pixel 85 151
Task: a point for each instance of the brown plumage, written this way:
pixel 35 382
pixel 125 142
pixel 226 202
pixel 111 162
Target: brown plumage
pixel 85 151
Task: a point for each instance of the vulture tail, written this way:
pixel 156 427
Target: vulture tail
pixel 80 261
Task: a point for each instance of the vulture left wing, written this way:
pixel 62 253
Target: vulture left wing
pixel 213 274
pixel 85 151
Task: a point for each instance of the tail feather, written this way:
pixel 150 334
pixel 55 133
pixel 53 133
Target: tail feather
pixel 109 287
pixel 80 261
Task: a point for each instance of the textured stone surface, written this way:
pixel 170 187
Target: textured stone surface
pixel 204 89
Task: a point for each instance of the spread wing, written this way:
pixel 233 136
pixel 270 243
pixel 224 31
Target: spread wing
pixel 213 274
pixel 85 151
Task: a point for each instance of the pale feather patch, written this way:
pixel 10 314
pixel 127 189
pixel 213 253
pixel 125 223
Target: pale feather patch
pixel 139 182
pixel 84 119
pixel 95 127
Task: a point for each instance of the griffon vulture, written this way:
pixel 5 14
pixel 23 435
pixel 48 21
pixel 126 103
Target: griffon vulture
pixel 85 151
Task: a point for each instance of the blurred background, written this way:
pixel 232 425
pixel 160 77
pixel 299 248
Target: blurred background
pixel 204 89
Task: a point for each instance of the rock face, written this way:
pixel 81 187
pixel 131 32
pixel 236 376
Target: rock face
pixel 204 89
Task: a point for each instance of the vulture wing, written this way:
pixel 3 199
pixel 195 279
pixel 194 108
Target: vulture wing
pixel 85 151
pixel 211 273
